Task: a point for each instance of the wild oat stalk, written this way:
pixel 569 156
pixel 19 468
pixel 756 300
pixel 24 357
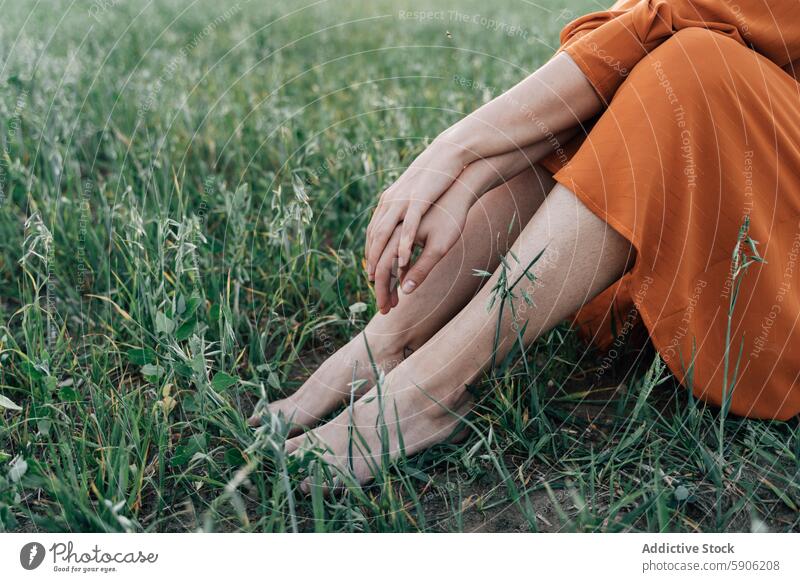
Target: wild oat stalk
pixel 745 254
pixel 505 293
pixel 270 439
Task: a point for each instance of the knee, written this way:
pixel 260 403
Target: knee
pixel 693 41
pixel 693 45
pixel 692 61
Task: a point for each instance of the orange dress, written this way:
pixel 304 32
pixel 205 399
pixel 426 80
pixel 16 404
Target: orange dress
pixel 702 129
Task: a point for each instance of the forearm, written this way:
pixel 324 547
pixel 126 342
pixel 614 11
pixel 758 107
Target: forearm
pixel 554 98
pixel 485 174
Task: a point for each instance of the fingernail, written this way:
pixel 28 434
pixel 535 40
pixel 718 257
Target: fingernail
pixel 401 262
pixel 408 286
pixel 369 268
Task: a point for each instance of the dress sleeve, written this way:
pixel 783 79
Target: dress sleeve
pixel 607 45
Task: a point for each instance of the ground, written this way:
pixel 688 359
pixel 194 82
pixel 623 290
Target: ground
pixel 184 190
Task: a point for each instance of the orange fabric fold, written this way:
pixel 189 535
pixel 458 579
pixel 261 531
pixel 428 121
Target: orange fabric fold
pixel 702 129
pixel 607 45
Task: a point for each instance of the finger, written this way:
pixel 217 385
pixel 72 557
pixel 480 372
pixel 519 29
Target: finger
pixel 367 266
pixel 383 232
pixel 384 275
pixel 368 238
pixel 408 233
pixel 432 253
pixel 375 219
pixel 377 216
pixel 401 274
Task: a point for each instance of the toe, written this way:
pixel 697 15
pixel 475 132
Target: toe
pixel 293 444
pixel 286 410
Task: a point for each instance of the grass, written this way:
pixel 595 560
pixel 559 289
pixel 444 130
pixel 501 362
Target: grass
pixel 185 188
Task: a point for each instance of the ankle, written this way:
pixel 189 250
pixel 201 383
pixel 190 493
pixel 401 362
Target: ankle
pixel 365 352
pixel 388 348
pixel 434 388
pixel 442 400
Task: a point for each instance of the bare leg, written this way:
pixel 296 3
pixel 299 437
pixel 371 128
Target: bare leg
pixel 582 256
pixel 415 319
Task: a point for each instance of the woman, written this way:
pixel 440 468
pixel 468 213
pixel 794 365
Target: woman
pixel 680 122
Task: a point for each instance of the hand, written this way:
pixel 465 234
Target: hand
pixel 442 225
pixel 556 97
pixel 406 201
pixel 440 228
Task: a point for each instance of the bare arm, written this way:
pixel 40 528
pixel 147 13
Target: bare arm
pixel 554 98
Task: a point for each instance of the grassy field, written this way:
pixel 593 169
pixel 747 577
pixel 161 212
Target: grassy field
pixel 184 189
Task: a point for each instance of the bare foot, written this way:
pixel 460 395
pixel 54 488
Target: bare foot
pixel 422 408
pixel 329 387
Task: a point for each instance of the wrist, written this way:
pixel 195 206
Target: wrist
pixel 476 179
pixel 456 144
